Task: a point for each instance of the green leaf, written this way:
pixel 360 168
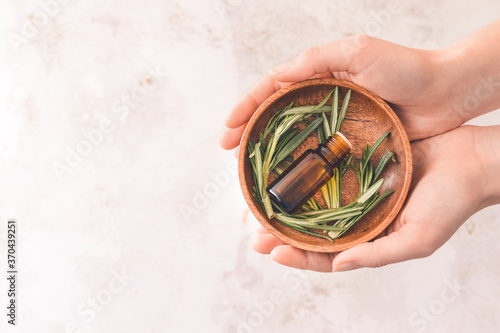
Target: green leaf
pixel 296 141
pixel 323 102
pixel 283 164
pixel 288 137
pixel 314 203
pixel 310 109
pixel 278 170
pixel 278 208
pixel 321 135
pixel 306 109
pixel 335 109
pixel 328 132
pixel 343 111
pixel 367 176
pixel 304 230
pixel 329 212
pixel 325 219
pixel 258 167
pixel 388 155
pixel 271 125
pixel 347 165
pixel 370 192
pixel 370 207
pixel 369 151
pixel 327 228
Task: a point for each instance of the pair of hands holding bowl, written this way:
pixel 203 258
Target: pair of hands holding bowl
pixel 456 168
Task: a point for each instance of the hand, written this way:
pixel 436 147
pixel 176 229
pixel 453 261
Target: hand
pixel 455 175
pixel 432 91
pixel 413 81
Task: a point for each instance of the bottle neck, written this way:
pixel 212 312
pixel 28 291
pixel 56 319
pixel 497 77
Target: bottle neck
pixel 334 149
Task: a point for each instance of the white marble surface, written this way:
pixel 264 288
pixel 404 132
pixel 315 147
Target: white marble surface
pixel 117 211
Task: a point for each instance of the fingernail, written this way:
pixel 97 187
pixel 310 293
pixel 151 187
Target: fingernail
pixel 273 253
pixel 280 69
pixel 220 143
pixel 343 267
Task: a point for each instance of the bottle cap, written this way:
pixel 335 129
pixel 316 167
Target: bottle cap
pixel 344 138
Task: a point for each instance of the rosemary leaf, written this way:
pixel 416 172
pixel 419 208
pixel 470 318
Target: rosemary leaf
pixel 327 218
pixel 323 102
pixel 321 135
pixel 335 109
pixel 369 208
pixel 370 192
pixel 307 109
pixel 327 228
pixel 338 187
pixel 332 213
pixel 368 176
pixel 296 141
pixel 388 155
pixel 347 165
pixel 278 208
pixel 271 125
pixel 304 230
pixel 343 111
pixel 326 196
pixel 283 164
pixel 328 131
pixel 287 138
pixel 313 204
pixel 369 151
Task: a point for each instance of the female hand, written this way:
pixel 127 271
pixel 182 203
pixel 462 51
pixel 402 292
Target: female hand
pixel 455 175
pixel 432 91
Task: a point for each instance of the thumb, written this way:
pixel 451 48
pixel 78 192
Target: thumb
pixel 409 242
pixel 336 56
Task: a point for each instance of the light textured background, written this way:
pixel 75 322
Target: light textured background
pixel 118 211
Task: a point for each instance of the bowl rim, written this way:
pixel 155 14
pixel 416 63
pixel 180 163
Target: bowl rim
pixel 263 220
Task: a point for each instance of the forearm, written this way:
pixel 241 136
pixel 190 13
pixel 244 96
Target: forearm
pixel 472 68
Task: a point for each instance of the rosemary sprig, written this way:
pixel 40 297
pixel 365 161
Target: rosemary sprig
pixel 331 191
pixel 296 141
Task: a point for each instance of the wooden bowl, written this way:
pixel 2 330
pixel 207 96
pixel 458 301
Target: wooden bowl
pixel 367 118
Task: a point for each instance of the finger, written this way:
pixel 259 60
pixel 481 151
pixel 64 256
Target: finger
pixel 403 244
pixel 265 243
pixel 332 57
pixel 382 234
pixel 322 76
pixel 231 138
pixel 246 107
pixel 290 256
pixel 343 76
pixel 236 152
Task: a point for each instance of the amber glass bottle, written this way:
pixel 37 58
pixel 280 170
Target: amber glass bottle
pixel 308 173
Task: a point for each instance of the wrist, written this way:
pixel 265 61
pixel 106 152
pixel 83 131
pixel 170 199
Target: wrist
pixel 458 82
pixel 471 72
pixel 487 140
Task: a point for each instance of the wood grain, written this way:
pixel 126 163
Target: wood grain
pixel 367 118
